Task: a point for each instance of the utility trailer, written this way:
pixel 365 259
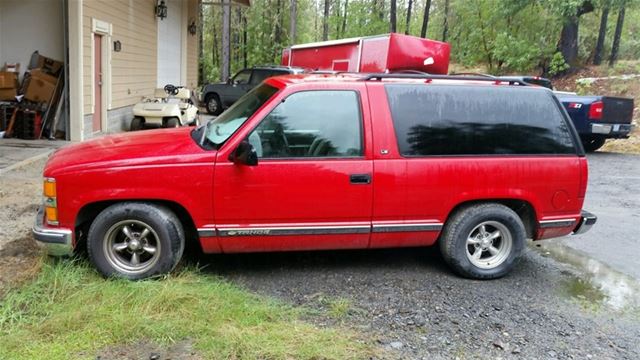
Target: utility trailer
pixel 372 54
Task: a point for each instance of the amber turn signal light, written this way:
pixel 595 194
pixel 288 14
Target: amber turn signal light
pixel 49 188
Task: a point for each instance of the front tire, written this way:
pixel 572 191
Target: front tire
pixel 172 122
pixel 483 241
pixel 593 144
pixel 135 241
pixel 137 123
pixel 213 105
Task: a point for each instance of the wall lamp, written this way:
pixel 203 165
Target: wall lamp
pixel 192 28
pixel 161 9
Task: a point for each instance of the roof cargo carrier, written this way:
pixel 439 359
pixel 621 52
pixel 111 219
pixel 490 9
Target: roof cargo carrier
pixel 373 54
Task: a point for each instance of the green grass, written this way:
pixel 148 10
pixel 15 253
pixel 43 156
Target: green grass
pixel 69 310
pixel 339 308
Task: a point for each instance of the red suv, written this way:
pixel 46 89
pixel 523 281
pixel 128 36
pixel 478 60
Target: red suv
pixel 329 162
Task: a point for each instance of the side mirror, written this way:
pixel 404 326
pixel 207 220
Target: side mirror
pixel 229 81
pixel 245 154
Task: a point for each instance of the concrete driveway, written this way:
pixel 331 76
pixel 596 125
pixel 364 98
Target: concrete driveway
pixel 15 153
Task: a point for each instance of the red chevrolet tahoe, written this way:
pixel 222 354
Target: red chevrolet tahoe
pixel 329 162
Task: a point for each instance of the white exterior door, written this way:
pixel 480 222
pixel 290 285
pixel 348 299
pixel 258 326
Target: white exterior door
pixel 170 45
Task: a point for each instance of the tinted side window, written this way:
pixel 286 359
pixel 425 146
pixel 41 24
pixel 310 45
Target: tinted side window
pixel 311 124
pixel 259 76
pixel 242 77
pixel 474 120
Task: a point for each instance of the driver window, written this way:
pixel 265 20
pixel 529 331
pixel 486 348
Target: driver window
pixel 311 124
pixel 242 77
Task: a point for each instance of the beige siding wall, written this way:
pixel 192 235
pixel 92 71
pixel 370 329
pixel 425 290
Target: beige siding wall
pixel 134 69
pixel 192 47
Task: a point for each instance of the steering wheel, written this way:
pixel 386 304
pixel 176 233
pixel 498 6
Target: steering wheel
pixel 171 90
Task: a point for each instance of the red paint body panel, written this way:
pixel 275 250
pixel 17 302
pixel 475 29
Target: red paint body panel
pixel 232 205
pixel 380 53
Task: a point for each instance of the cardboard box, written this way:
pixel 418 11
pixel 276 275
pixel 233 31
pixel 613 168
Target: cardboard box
pixel 40 87
pixel 39 73
pixel 46 64
pixel 15 68
pixel 8 80
pixel 8 94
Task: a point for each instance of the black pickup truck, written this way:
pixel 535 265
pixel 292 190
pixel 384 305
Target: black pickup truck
pixel 596 118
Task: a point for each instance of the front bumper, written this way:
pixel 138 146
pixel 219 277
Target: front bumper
pixel 587 220
pixel 58 242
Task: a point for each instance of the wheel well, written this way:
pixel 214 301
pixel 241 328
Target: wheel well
pixel 88 213
pixel 210 95
pixel 522 208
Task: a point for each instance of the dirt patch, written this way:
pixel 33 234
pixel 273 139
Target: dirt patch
pixel 182 350
pixel 20 196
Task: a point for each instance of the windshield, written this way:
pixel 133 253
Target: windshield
pixel 222 127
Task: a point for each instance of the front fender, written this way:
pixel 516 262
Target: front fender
pixel 189 185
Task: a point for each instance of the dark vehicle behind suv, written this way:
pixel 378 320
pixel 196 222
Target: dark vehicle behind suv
pixel 219 96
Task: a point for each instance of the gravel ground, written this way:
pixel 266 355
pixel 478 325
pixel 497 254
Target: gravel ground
pixel 416 308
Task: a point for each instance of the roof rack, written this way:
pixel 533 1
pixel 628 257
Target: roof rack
pixel 473 74
pixel 381 76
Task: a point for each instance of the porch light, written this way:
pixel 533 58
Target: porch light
pixel 161 10
pixel 192 28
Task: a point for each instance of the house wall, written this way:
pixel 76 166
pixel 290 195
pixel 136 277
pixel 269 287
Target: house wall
pixel 134 68
pixel 192 47
pixel 30 25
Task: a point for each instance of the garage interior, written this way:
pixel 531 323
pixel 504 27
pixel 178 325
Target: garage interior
pixel 33 92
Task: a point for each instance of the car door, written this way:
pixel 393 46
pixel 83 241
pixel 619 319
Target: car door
pixel 311 188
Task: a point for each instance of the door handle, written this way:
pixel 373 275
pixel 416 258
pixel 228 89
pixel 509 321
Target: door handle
pixel 360 178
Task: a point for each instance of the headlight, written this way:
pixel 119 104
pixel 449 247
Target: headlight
pixel 50 201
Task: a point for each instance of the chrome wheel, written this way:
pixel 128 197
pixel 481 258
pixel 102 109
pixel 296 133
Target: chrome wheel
pixel 212 105
pixel 131 246
pixel 489 244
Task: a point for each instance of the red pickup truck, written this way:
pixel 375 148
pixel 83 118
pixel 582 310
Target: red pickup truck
pixel 329 162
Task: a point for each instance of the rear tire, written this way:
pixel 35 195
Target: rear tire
pixel 137 123
pixel 135 241
pixel 593 144
pixel 213 105
pixel 483 241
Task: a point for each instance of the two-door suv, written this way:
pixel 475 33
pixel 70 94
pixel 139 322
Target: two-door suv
pixel 329 162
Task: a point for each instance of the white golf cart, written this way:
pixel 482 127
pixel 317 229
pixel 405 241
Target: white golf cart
pixel 169 107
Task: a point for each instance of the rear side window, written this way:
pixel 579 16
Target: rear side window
pixel 477 120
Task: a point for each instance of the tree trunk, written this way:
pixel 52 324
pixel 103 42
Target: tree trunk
pixel 569 40
pixel 225 67
pixel 406 31
pixel 336 5
pixel 277 37
pixel 425 19
pixel 616 37
pixel 325 21
pixel 568 45
pixel 244 40
pixel 292 22
pixel 602 33
pixel 392 17
pixel 445 23
pixel 344 18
